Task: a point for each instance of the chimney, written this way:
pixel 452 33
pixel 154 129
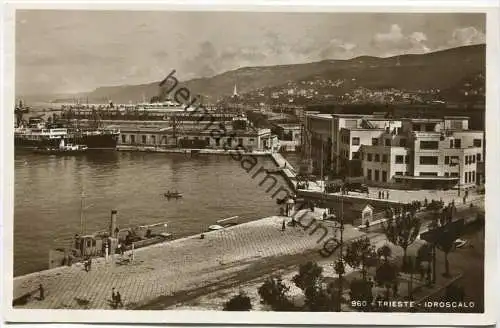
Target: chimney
pixel 112 226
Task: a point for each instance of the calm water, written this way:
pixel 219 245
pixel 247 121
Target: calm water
pixel 48 196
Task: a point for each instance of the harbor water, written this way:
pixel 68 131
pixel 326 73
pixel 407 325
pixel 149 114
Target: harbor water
pixel 48 196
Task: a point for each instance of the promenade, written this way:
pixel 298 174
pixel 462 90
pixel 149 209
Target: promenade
pixel 174 268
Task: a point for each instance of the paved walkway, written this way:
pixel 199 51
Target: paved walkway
pixel 407 196
pixel 167 268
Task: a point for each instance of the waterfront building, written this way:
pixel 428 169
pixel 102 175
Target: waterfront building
pixel 425 153
pixel 289 134
pixel 216 136
pixel 326 138
pixel 412 152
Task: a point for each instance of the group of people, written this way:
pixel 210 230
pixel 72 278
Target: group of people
pixel 116 298
pixel 383 194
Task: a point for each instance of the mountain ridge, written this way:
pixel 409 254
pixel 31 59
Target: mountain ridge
pixel 440 69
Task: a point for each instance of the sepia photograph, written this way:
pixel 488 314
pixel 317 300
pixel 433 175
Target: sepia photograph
pixel 170 161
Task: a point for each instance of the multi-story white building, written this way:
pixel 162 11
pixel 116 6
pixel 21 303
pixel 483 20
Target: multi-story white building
pixel 430 153
pixel 426 153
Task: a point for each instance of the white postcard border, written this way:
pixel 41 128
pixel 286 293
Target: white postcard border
pixel 220 317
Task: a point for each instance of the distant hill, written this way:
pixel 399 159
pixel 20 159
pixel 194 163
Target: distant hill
pixel 444 70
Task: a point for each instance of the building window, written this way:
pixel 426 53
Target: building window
pixel 466 160
pixel 132 139
pixel 144 138
pixel 384 176
pixel 447 159
pixel 477 142
pixel 446 174
pixel 428 174
pixel 466 176
pixel 400 159
pixel 399 173
pixel 207 140
pixel 240 141
pixel 473 158
pixel 369 157
pixel 377 175
pixel 369 174
pixel 402 142
pixel 374 141
pixel 407 173
pixel 251 140
pixel 153 139
pixel 458 143
pixel 217 141
pixel 124 139
pixel 384 158
pixel 355 155
pixel 478 158
pixel 387 142
pixel 377 158
pixel 429 144
pixel 428 160
pixel 451 143
pixel 474 176
pixel 407 159
pixel 355 141
pixel 454 174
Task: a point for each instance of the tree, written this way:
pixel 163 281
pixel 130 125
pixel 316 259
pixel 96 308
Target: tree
pixel 386 275
pixel 360 253
pixel 309 275
pixel 240 302
pixel 403 231
pixel 446 243
pixel 384 252
pixel 424 254
pixel 273 293
pixel 318 297
pixel 361 289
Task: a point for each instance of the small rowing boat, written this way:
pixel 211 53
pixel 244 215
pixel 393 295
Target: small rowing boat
pixel 172 195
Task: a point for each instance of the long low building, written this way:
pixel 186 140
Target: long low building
pixel 216 136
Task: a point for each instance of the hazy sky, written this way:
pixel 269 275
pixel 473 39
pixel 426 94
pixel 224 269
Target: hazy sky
pixel 72 51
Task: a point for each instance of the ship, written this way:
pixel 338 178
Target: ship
pixel 37 133
pixel 63 149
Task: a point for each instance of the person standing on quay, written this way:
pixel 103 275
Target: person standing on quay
pixel 119 299
pixel 42 292
pixel 283 225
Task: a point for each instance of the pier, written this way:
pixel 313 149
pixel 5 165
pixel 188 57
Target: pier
pixel 166 269
pixel 286 169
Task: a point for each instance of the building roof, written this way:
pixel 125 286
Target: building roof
pixel 457 117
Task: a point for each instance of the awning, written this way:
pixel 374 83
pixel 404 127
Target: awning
pixel 426 177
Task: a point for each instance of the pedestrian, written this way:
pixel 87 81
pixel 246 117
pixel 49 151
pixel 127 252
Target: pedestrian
pixel 379 194
pixel 42 292
pixel 113 297
pixel 283 225
pixel 86 265
pixel 118 299
pixel 90 263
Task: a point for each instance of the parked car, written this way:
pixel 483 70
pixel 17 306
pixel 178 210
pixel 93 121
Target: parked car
pixel 357 186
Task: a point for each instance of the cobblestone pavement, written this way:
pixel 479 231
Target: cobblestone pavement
pixel 166 268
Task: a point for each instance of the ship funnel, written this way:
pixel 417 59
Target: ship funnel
pixel 112 225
